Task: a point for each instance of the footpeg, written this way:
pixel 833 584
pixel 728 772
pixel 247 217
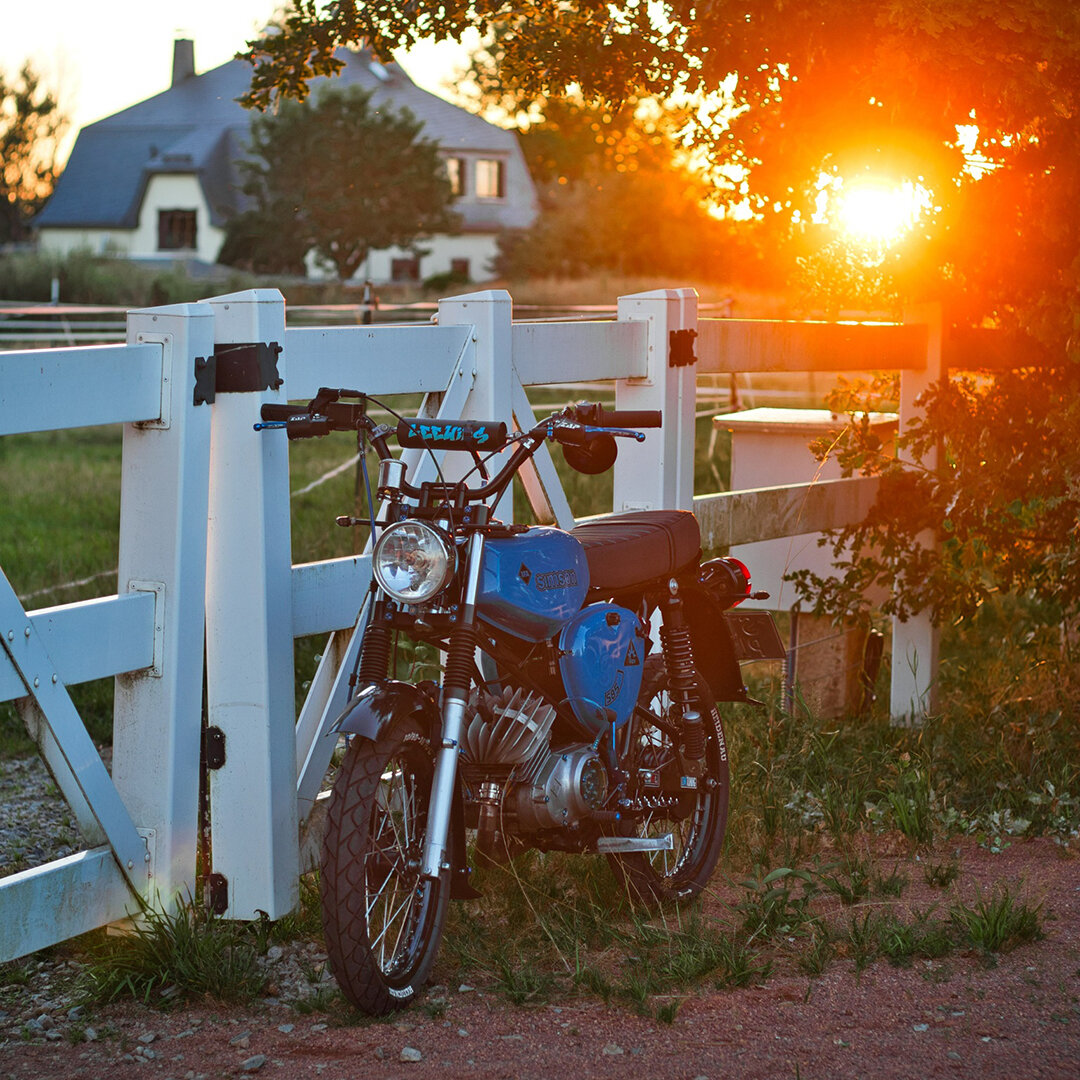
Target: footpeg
pixel 623 845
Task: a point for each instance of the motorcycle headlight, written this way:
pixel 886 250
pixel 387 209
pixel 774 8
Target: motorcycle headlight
pixel 413 561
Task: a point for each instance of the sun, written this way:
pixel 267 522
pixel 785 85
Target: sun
pixel 878 212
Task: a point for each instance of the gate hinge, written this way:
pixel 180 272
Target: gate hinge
pixel 681 348
pixel 247 367
pixel 213 748
pixel 218 885
pixel 205 376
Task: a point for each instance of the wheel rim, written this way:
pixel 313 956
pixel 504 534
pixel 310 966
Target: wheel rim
pixel 396 898
pixel 658 821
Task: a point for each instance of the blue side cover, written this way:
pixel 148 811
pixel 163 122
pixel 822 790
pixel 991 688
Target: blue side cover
pixel 602 656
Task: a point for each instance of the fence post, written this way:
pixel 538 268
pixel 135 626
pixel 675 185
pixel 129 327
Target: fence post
pixel 913 690
pixel 249 644
pixel 163 503
pixel 491 397
pixel 659 473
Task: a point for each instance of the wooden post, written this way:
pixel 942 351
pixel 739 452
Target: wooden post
pixel 659 473
pixel 249 640
pixel 915 643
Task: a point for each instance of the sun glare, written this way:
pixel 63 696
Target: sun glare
pixel 879 211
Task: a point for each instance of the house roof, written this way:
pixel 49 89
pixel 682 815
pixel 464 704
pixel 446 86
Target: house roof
pixel 198 126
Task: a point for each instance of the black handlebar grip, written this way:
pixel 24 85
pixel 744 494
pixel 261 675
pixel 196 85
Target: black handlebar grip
pixel 630 418
pixel 306 427
pixel 281 412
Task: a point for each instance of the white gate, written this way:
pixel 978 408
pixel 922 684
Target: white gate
pixel 205 512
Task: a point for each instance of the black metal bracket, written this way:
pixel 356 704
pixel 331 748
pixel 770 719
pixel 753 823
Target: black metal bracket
pixel 213 748
pixel 205 376
pixel 681 348
pixel 247 367
pixel 218 885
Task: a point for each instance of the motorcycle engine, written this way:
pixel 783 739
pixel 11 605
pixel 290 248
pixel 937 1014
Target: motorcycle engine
pixel 523 786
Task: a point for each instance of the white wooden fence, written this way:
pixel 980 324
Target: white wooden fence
pixel 187 461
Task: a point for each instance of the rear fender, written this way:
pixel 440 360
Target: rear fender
pixel 715 655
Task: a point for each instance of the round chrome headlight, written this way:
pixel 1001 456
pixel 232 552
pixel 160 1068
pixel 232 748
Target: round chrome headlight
pixel 413 561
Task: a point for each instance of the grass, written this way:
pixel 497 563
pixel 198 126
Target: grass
pixel 998 763
pixel 168 957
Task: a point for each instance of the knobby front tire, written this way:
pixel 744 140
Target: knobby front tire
pixel 382 921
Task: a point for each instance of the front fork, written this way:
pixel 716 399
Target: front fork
pixel 457 681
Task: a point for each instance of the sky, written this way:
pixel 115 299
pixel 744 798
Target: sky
pixel 99 58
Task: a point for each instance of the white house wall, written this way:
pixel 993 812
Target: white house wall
pixel 62 242
pixel 478 248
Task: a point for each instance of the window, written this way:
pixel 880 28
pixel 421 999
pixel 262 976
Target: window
pixel 459 268
pixel 455 171
pixel 490 179
pixel 405 269
pixel 176 230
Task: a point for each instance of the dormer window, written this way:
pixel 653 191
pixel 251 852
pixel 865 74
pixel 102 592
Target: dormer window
pixel 455 173
pixel 490 179
pixel 176 230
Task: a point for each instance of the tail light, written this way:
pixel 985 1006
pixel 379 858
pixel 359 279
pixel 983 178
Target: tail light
pixel 727 579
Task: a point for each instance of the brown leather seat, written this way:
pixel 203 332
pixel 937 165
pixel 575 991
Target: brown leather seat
pixel 626 550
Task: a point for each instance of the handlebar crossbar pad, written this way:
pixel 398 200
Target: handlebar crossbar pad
pixel 482 435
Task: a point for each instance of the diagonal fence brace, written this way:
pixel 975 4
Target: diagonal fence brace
pixel 31 660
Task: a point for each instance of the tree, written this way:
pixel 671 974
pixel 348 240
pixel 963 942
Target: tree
pixel 30 128
pixel 839 87
pixel 340 177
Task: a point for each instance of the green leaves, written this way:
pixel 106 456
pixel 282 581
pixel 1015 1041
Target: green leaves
pixel 339 177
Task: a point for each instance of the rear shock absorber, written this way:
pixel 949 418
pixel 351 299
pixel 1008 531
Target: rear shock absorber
pixel 682 674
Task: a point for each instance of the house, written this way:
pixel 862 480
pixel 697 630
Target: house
pixel 159 180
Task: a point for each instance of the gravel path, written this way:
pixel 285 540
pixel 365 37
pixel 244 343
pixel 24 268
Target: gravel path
pixel 1013 1020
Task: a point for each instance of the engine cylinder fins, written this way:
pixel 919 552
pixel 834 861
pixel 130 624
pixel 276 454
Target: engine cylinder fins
pixel 508 729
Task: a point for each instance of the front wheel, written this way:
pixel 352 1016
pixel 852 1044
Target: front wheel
pixel 669 798
pixel 382 920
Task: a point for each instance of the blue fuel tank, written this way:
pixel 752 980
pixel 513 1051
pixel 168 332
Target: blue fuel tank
pixel 532 584
pixel 601 660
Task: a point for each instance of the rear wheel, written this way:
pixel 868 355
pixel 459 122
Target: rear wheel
pixel 383 922
pixel 671 799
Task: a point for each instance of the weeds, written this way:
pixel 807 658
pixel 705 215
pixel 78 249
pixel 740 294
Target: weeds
pixel 940 875
pixel 997 924
pixel 189 950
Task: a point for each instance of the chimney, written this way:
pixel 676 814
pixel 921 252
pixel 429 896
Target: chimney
pixel 183 60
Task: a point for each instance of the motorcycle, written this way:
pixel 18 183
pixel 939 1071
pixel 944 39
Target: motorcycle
pixel 577 709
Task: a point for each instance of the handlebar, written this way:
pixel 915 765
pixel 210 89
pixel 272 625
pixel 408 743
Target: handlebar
pixel 576 425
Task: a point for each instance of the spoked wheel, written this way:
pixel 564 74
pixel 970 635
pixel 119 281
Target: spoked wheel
pixel 695 816
pixel 382 921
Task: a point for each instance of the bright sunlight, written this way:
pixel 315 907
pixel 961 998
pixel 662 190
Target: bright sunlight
pixel 877 211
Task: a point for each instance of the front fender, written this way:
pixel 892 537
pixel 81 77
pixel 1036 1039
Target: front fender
pixel 374 710
pixel 379 705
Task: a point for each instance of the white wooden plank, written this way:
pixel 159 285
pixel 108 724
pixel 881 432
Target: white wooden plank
pixel 374 359
pixel 83 767
pixel 327 595
pixel 749 345
pixel 741 517
pixel 91 639
pixel 49 389
pixel 60 900
pixel 579 351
